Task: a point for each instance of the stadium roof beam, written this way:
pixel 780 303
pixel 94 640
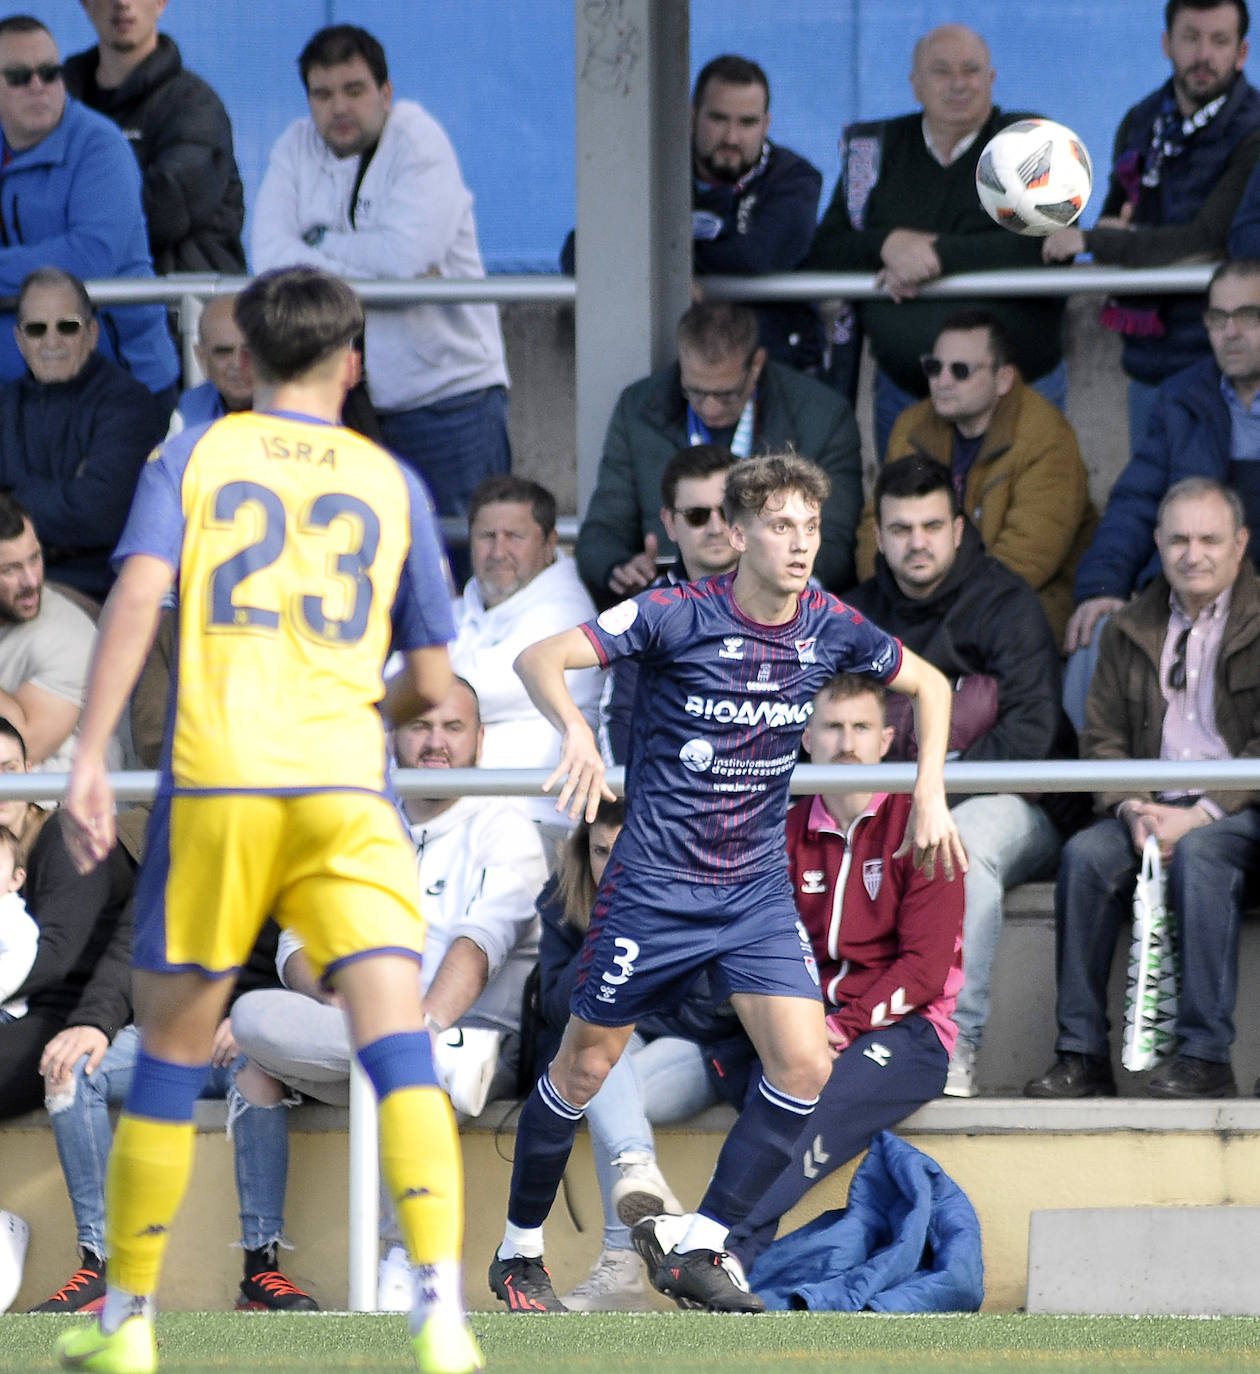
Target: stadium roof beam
pixel 633 203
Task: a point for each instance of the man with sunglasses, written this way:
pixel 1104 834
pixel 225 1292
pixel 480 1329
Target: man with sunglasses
pixel 722 390
pixel 1013 456
pixel 1178 677
pixel 71 198
pixel 74 432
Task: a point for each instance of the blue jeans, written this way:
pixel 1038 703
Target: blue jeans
pixel 891 400
pixel 83 1132
pixel 1093 903
pixel 1008 841
pixel 1078 673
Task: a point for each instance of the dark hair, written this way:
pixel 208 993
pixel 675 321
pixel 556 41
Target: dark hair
pixel 1235 267
pixel 340 43
pixel 718 330
pixel 735 71
pixel 519 490
pixel 696 460
pixel 845 685
pixel 13 518
pixel 1188 488
pixel 295 317
pixel 576 882
pixel 913 475
pixel 753 481
pixel 964 321
pixel 1174 7
pixel 23 23
pixel 55 276
pixel 10 731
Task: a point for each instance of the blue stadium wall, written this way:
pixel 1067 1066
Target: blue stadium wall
pixel 499 75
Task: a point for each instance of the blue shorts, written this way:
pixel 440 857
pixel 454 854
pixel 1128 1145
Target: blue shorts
pixel 650 937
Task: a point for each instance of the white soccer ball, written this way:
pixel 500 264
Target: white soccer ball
pixel 1034 177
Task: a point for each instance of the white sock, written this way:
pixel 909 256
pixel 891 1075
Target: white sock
pixel 437 1289
pixel 522 1240
pixel 119 1305
pixel 703 1233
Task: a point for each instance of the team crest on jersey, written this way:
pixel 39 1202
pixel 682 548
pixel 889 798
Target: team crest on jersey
pixel 616 620
pixel 696 755
pixel 805 652
pixel 732 647
pixel 763 683
pixel 872 876
pixel 812 881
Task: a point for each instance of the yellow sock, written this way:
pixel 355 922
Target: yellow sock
pixel 420 1163
pixel 148 1172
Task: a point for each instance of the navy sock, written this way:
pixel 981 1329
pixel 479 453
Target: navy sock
pixel 544 1140
pixel 757 1150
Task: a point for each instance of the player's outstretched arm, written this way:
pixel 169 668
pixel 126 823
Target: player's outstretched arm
pixel 931 833
pixel 124 635
pixel 422 682
pixel 541 667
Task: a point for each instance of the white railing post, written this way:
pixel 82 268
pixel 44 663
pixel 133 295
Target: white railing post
pixel 365 1191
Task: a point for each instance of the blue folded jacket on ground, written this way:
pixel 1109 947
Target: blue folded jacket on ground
pixel 909 1241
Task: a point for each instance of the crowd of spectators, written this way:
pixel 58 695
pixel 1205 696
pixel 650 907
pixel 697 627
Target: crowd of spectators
pixel 979 548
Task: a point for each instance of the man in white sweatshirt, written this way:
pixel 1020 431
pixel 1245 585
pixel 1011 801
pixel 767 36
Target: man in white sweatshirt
pixel 523 589
pixel 369 187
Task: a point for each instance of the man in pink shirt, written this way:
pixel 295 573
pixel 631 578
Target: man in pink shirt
pixel 888 942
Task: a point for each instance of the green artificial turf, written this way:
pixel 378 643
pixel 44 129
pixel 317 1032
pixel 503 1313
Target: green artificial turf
pixel 694 1343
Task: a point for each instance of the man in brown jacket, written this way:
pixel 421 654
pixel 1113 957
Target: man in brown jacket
pixel 1014 459
pixel 1178 677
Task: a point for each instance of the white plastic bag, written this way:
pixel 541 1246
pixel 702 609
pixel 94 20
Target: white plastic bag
pixel 1150 994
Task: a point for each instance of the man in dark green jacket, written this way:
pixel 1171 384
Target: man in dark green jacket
pixel 722 391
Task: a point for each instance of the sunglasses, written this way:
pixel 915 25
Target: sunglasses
pixel 48 72
pixel 36 329
pixel 699 516
pixel 933 367
pixel 1177 668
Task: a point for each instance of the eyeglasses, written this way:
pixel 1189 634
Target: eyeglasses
pixel 727 396
pixel 1246 317
pixel 1177 668
pixel 699 516
pixel 48 72
pixel 36 329
pixel 933 367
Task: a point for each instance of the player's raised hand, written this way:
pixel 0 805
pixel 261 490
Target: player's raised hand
pixel 933 838
pixel 581 767
pixel 90 807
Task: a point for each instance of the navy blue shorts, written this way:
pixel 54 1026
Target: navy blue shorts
pixel 649 938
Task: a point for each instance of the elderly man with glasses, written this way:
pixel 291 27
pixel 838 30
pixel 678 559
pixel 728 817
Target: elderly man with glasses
pixel 71 199
pixel 724 391
pixel 74 432
pixel 1178 678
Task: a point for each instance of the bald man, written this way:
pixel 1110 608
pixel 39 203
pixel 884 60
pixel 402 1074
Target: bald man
pixel 221 355
pixel 906 208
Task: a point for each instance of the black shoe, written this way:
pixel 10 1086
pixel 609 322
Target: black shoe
pixel 1183 1076
pixel 83 1291
pixel 265 1289
pixel 707 1280
pixel 1074 1075
pixel 524 1284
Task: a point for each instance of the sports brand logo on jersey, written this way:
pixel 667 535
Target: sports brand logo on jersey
pixel 807 952
pixel 880 1054
pixel 872 876
pixel 812 881
pixel 805 652
pixel 732 647
pixel 881 663
pixel 616 620
pixel 696 755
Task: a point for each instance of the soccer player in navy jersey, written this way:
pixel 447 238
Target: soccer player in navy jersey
pixel 698 879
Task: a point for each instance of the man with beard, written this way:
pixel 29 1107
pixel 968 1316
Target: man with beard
pixel 1180 164
pixel 45 644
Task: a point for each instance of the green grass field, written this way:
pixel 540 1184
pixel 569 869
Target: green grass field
pixel 806 1343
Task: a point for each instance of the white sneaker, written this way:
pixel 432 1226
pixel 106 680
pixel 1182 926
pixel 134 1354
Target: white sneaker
pixel 641 1191
pixel 960 1081
pixel 615 1284
pixel 395 1282
pixel 15 1235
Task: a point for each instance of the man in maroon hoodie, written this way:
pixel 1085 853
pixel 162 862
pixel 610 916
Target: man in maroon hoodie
pixel 888 942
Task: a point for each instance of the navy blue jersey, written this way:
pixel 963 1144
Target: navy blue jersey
pixel 718 715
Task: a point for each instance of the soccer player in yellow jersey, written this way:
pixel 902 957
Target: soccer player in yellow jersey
pixel 301 554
